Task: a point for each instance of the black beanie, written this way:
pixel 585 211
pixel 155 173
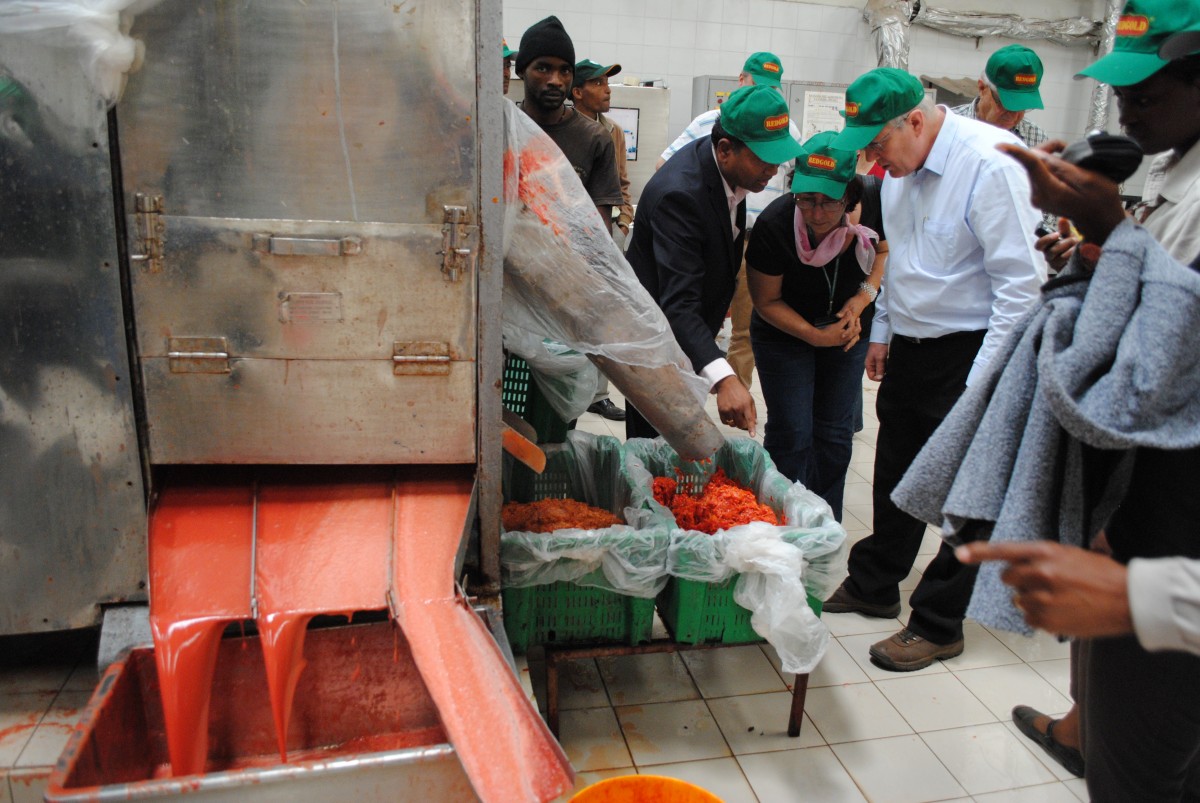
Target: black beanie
pixel 545 38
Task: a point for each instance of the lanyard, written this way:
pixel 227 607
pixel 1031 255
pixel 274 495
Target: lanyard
pixel 831 283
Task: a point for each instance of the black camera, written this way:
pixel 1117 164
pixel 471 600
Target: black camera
pixel 1111 155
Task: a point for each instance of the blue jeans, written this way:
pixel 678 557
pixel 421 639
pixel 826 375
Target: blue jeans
pixel 811 409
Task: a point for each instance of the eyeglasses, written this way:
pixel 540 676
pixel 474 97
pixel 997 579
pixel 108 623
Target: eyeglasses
pixel 829 204
pixel 876 147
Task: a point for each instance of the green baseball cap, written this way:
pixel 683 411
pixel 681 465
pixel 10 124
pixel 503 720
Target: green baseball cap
pixel 823 168
pixel 1176 46
pixel 586 70
pixel 758 116
pixel 876 97
pixel 1144 25
pixel 766 68
pixel 508 51
pixel 1016 72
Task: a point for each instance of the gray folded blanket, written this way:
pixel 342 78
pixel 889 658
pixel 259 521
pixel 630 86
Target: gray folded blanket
pixel 1109 362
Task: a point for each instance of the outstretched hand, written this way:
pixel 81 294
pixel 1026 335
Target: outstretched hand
pixel 1087 198
pixel 1060 589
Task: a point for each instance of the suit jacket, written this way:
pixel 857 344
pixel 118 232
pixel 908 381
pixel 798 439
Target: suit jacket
pixel 683 249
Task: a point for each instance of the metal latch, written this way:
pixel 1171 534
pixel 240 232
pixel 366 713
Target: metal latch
pixel 148 222
pixel 457 255
pixel 198 355
pixel 277 245
pixel 421 358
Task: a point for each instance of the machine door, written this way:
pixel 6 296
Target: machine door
pixel 301 197
pixel 72 511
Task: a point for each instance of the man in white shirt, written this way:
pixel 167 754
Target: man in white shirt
pixel 761 69
pixel 962 268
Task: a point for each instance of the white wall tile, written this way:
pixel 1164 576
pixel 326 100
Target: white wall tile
pixel 685 9
pixel 604 29
pixel 681 33
pixel 758 37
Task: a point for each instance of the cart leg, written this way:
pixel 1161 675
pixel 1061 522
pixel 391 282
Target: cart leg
pixel 799 692
pixel 552 691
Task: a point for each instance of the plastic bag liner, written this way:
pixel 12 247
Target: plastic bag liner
pixel 566 378
pixel 566 281
pixel 94 29
pixel 626 559
pixel 777 566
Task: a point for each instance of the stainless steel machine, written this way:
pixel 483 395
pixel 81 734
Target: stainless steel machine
pixel 279 247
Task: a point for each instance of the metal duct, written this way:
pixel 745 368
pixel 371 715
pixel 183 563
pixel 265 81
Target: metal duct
pixel 1098 110
pixel 889 21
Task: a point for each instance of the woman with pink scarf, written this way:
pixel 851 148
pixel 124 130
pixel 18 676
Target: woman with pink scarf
pixel 815 264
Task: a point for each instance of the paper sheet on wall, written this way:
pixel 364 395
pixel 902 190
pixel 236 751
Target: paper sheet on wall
pixel 821 113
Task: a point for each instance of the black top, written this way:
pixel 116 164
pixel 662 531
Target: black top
pixel 806 288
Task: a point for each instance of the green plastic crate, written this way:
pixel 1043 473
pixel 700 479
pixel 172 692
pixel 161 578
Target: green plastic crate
pixel 566 613
pixel 519 393
pixel 705 613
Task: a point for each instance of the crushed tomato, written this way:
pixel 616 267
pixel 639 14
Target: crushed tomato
pixel 547 515
pixel 724 503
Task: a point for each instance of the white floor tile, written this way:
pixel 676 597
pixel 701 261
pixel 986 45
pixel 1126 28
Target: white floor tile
pixel 1043 793
pixel 931 542
pixel 666 733
pixel 585 779
pixel 842 625
pixel 814 774
pixel 862 513
pixel 898 770
pixel 1057 672
pixel 987 758
pixel 853 713
pixel 654 678
pixel 935 702
pixel 51 734
pixel 859 649
pixel 1001 688
pixel 592 739
pixel 837 668
pixel 1078 787
pixel 580 686
pixel 981 649
pixel 729 671
pixel 29 785
pixel 1041 646
pixel 756 723
pixel 858 493
pixel 19 716
pixel 721 776
pixel 44 680
pixel 910 582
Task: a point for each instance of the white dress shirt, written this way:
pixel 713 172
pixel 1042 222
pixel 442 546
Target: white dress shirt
pixel 1164 599
pixel 1174 221
pixel 720 368
pixel 755 201
pixel 961 242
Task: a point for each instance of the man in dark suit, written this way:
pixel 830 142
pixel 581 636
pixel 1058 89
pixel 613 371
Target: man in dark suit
pixel 687 239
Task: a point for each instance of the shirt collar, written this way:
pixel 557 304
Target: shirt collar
pixel 1182 175
pixel 935 162
pixel 732 197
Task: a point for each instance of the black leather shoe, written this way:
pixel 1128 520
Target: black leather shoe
pixel 1024 716
pixel 606 408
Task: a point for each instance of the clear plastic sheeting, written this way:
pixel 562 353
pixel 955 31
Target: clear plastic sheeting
pixel 565 280
pixel 777 566
pixel 628 559
pixel 97 30
pixel 566 378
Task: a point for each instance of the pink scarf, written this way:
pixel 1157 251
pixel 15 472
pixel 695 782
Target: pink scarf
pixel 834 242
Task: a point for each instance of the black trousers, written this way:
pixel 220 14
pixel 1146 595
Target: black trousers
pixel 636 426
pixel 1140 716
pixel 922 382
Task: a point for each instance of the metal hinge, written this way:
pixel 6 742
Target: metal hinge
pixel 148 222
pixel 421 358
pixel 457 254
pixel 198 355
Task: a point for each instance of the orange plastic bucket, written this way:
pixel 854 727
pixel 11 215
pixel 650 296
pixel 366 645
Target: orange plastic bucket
pixel 644 789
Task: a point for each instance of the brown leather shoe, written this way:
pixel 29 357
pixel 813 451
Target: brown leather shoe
pixel 908 652
pixel 842 601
